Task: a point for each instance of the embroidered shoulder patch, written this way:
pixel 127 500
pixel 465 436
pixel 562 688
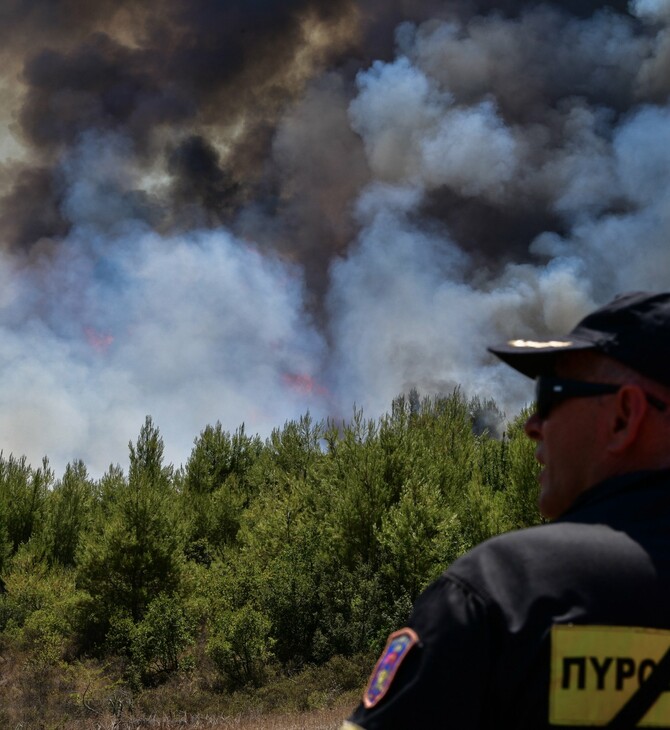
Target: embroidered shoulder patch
pixel 397 648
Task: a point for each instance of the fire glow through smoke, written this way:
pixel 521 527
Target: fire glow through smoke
pixel 100 343
pixel 241 212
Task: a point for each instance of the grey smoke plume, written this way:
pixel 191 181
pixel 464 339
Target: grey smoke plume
pixel 241 211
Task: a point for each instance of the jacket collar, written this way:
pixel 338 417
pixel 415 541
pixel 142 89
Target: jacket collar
pixel 615 486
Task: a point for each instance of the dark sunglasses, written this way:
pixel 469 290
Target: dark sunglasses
pixel 549 392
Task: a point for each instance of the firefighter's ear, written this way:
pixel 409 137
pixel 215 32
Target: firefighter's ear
pixel 630 407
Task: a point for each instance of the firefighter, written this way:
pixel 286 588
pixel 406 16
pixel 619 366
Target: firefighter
pixel 566 624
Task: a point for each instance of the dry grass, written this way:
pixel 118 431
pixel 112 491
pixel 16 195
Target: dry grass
pixel 328 719
pixel 325 719
pixel 86 696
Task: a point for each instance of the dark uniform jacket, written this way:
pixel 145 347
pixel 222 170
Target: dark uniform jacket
pixel 568 617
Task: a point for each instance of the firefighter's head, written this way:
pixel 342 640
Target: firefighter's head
pixel 602 396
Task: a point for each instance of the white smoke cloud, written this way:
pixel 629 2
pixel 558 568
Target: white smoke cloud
pixel 396 106
pixel 121 322
pixel 470 151
pixel 651 9
pixel 405 316
pixel 410 308
pixel 628 249
pixel 642 153
pixel 411 131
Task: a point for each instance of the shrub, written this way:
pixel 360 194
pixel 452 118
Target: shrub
pixel 241 647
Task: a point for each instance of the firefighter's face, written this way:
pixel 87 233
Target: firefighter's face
pixel 570 442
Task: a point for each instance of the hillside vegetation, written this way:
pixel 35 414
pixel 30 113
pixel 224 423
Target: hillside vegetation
pixel 262 575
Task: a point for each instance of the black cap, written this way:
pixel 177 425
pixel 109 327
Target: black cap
pixel 633 328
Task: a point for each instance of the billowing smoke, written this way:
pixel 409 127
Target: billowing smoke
pixel 242 211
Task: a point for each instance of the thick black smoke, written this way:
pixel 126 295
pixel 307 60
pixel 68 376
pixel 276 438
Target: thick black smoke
pixel 237 211
pixel 176 78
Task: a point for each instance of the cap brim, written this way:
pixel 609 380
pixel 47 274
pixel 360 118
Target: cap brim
pixel 533 358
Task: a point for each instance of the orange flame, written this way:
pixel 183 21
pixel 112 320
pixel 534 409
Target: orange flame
pixel 97 341
pixel 304 384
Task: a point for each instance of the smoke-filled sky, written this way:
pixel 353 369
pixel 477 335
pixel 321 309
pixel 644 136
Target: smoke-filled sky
pixel 215 210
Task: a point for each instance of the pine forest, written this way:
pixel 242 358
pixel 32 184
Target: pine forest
pixel 262 575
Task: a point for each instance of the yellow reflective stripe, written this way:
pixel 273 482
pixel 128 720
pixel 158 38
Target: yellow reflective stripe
pixel 595 670
pixel 346 725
